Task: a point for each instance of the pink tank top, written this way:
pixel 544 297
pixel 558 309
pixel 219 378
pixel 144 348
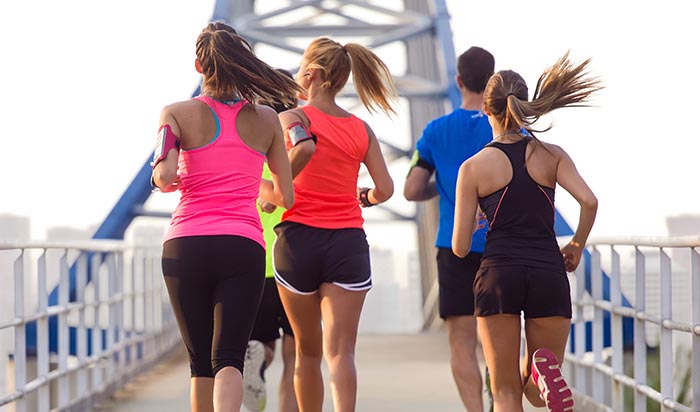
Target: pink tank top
pixel 219 182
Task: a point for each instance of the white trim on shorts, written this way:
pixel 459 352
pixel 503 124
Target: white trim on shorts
pixel 282 281
pixel 356 287
pixel 352 287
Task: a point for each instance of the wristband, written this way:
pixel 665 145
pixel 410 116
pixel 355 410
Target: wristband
pixel 364 198
pixel 575 244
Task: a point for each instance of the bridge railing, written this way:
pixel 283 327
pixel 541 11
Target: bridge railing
pixel 107 319
pixel 660 277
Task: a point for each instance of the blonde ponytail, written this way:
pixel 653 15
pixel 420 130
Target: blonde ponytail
pixel 371 77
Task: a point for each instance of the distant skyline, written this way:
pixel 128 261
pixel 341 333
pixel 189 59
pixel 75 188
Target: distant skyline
pixel 82 98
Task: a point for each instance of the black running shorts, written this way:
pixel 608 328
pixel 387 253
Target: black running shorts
pixel 456 282
pixel 512 289
pixel 305 257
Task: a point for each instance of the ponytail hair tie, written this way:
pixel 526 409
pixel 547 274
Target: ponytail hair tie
pixel 511 94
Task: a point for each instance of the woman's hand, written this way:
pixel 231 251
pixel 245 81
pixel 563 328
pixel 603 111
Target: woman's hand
pixel 572 255
pixel 266 207
pixel 364 191
pixel 480 220
pixel 172 186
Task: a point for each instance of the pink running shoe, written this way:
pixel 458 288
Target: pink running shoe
pixel 553 388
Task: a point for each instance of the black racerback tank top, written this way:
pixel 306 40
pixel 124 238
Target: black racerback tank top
pixel 521 217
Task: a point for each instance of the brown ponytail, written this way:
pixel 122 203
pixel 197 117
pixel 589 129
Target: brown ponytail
pixel 231 69
pixel 371 77
pixel 562 85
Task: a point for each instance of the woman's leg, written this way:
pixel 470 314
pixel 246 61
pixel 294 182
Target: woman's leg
pixel 202 394
pixel 304 315
pixel 239 278
pixel 500 337
pixel 550 333
pixel 191 298
pixel 288 399
pixel 228 390
pixel 341 310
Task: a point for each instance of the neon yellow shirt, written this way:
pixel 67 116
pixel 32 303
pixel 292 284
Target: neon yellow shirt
pixel 269 221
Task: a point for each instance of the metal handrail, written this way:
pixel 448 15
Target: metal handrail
pixel 646 241
pixel 95 245
pixel 126 327
pixel 600 379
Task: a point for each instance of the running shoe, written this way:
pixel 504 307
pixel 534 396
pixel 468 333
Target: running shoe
pixel 553 388
pixel 254 392
pixel 487 391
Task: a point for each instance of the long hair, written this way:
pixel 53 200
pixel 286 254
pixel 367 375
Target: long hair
pixel 231 69
pixel 371 77
pixel 563 85
pixel 277 105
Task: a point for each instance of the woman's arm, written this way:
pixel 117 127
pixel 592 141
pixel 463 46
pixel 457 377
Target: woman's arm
pixel 279 190
pixel 466 208
pixel 302 150
pixel 569 178
pixel 164 174
pixel 376 166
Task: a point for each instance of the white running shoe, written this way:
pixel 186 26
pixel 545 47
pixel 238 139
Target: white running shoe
pixel 254 392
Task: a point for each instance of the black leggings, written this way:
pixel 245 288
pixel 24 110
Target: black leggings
pixel 215 284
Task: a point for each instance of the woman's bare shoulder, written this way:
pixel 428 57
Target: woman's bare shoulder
pixel 554 149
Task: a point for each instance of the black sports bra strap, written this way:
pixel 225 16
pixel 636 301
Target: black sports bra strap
pixel 516 155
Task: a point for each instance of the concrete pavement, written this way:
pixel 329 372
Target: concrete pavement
pixel 406 373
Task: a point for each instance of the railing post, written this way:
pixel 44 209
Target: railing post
pixel 159 296
pixel 640 340
pixel 149 346
pixel 63 335
pixel 96 328
pixel 597 336
pixel 81 333
pixel 133 359
pixel 42 331
pixel 20 355
pixel 616 330
pixel 580 330
pixel 121 335
pixel 666 355
pixel 111 318
pixel 695 296
pixel 155 291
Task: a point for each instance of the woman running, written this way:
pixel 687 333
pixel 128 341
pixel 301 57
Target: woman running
pixel 321 256
pixel 214 252
pixel 523 270
pixel 271 316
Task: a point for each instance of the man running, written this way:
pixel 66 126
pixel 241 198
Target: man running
pixel 445 144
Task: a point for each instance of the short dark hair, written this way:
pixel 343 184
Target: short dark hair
pixel 475 66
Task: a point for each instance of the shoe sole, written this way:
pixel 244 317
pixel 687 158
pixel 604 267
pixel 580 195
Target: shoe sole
pixel 254 392
pixel 555 391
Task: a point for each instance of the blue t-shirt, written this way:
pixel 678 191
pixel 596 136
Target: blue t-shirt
pixel 445 144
